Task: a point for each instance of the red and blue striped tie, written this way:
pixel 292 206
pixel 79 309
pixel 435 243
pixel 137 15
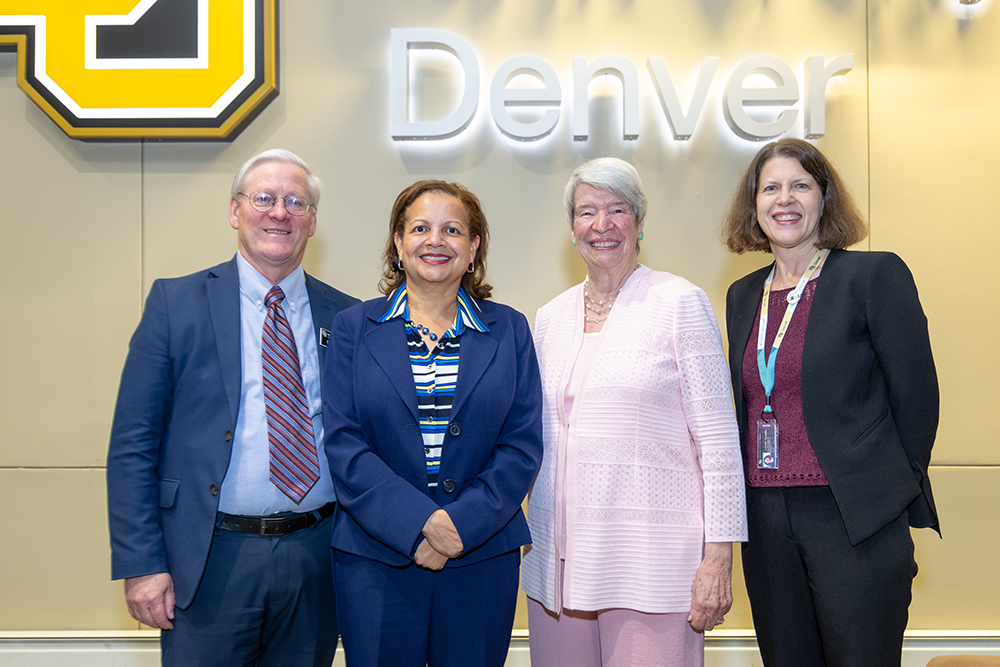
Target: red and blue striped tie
pixel 294 461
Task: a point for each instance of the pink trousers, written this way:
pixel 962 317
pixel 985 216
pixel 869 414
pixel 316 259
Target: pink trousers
pixel 612 638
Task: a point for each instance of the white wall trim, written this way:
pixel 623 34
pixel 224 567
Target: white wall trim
pixel 140 648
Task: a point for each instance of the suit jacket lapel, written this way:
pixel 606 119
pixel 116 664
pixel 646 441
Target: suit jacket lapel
pixel 476 352
pixel 386 341
pixel 323 310
pixel 223 288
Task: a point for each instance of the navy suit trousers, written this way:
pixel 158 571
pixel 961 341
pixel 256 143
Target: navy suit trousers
pixel 264 601
pixel 411 617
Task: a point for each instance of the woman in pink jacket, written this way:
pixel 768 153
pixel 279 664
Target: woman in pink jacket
pixel 640 494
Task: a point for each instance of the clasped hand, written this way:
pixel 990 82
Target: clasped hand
pixel 441 542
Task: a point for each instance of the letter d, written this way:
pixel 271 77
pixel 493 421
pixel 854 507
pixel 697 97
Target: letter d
pixel 401 41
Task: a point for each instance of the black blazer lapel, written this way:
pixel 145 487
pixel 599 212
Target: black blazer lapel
pixel 831 307
pixel 743 302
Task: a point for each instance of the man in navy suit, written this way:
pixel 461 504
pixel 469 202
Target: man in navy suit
pixel 216 546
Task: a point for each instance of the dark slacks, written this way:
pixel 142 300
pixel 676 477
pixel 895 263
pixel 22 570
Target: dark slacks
pixel 411 617
pixel 264 601
pixel 816 599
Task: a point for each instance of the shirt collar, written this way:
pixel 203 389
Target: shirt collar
pixel 467 316
pixel 255 286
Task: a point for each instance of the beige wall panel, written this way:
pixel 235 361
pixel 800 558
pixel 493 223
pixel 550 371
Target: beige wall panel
pixel 935 100
pixel 71 274
pixel 186 207
pixel 55 567
pixel 958 584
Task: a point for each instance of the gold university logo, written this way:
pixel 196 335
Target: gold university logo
pixel 132 69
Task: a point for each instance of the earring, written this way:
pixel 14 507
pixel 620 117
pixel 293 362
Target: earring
pixel 640 236
pixel 472 267
pixel 399 265
pixel 572 240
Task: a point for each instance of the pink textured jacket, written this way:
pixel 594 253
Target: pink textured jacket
pixel 650 451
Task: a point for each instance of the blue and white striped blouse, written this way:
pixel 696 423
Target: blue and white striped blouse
pixel 435 372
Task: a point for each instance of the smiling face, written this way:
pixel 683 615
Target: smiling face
pixel 605 229
pixel 273 241
pixel 789 205
pixel 435 246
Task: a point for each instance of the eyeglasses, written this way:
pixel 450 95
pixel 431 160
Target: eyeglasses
pixel 265 201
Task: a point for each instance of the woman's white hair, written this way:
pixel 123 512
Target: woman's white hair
pixel 612 175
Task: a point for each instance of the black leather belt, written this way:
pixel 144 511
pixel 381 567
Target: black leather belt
pixel 276 526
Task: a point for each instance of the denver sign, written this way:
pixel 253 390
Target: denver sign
pixel 737 96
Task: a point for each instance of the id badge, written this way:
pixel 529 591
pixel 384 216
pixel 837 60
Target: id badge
pixel 767 445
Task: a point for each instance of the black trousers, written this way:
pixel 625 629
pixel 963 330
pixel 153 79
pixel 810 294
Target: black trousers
pixel 817 600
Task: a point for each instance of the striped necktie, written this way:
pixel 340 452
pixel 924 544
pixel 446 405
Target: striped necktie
pixel 293 458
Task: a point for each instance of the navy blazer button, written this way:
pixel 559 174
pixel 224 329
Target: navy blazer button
pixel 214 489
pixel 454 430
pixel 228 436
pixel 448 485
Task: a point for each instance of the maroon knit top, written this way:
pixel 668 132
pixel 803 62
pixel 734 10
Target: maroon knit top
pixel 797 463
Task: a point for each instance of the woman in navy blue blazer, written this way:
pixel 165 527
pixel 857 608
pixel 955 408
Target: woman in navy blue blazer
pixel 837 406
pixel 432 413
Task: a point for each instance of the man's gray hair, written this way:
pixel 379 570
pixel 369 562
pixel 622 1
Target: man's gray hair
pixel 276 155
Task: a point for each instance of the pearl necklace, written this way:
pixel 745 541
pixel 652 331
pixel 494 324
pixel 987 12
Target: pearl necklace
pixel 598 307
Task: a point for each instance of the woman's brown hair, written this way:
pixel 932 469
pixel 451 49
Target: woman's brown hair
pixel 841 224
pixel 473 282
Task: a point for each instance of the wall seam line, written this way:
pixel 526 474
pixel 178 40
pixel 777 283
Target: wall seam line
pixel 142 220
pixel 868 109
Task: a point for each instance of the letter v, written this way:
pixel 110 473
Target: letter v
pixel 681 124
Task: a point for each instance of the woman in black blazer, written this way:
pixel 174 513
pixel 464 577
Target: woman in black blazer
pixel 837 418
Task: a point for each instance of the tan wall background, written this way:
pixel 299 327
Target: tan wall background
pixel 87 227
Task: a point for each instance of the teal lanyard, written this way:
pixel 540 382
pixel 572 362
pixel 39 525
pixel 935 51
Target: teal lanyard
pixel 766 366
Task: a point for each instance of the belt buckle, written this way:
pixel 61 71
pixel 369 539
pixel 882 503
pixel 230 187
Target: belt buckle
pixel 263 525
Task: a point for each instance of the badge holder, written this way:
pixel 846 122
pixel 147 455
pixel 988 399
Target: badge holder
pixel 767 440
